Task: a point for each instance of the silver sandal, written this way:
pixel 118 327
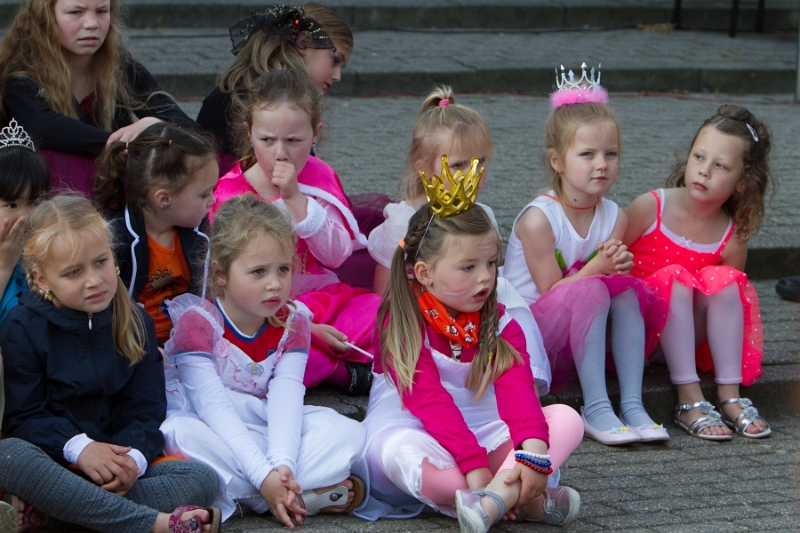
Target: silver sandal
pixel 743 421
pixel 711 418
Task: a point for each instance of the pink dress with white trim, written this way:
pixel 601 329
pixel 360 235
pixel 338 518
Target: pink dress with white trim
pixel 329 231
pixel 660 261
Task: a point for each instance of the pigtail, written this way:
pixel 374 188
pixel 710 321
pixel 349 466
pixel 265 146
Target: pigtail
pixel 109 180
pixel 401 338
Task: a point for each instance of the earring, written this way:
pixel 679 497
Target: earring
pixel 116 269
pixel 221 283
pixel 164 208
pixel 48 296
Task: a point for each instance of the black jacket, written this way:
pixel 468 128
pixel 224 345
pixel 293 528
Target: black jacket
pixel 54 131
pixel 133 254
pixel 63 378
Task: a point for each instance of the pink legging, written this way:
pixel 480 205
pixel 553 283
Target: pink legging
pixel 695 318
pixel 566 432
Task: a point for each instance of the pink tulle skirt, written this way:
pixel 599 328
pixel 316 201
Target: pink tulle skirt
pixel 70 172
pixel 566 312
pixel 710 280
pixel 348 309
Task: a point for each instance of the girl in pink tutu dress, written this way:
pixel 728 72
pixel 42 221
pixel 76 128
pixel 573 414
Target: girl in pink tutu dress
pixel 281 122
pixel 566 258
pixel 690 244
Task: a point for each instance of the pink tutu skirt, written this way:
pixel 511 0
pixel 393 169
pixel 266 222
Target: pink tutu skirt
pixel 566 312
pixel 348 309
pixel 709 280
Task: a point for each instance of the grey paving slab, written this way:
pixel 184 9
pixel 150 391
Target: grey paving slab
pixel 186 61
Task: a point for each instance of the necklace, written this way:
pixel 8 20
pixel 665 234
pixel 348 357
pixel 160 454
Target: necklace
pixel 571 206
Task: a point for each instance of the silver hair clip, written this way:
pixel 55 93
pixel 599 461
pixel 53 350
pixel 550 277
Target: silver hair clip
pixel 15 135
pixel 752 131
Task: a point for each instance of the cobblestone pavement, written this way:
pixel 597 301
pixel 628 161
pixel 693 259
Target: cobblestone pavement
pixel 684 486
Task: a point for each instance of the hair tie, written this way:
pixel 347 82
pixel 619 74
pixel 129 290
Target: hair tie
pixel 752 131
pixel 126 145
pixel 169 143
pixel 444 102
pixel 402 243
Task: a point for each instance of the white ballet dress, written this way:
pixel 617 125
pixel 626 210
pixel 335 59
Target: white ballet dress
pixel 244 417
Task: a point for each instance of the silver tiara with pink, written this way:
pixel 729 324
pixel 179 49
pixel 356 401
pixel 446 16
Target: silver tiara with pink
pixel 15 135
pixel 584 90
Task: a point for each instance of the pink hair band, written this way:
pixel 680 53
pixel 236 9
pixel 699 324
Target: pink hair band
pixel 597 95
pixel 444 102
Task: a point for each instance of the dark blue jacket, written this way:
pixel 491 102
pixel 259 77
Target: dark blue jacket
pixel 133 254
pixel 63 378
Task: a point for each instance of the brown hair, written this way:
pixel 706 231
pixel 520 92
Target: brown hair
pixel 162 156
pixel 745 206
pixel 287 86
pixel 266 53
pixel 240 221
pixel 460 125
pixel 60 220
pixel 562 125
pixel 31 49
pixel 401 339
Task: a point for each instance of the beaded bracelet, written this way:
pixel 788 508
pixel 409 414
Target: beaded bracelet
pixel 543 456
pixel 532 464
pixel 544 462
pixel 546 471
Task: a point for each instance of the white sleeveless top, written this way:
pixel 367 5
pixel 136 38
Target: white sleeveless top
pixel 570 247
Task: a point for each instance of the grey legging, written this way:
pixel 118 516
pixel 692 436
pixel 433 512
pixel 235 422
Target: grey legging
pixel 31 474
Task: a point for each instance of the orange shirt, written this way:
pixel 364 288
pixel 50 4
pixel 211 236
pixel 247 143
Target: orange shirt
pixel 168 276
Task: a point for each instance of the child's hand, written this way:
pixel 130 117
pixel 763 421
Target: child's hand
pixel 10 244
pixel 478 478
pixel 280 491
pixel 284 177
pixel 330 336
pixel 619 254
pixel 193 333
pixel 108 466
pixel 533 484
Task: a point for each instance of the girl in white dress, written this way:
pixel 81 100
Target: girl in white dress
pixel 235 371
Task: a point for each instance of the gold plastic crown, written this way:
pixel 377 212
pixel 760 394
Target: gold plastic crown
pixel 459 196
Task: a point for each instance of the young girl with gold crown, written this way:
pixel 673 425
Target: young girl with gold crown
pixel 566 258
pixel 453 420
pixel 690 244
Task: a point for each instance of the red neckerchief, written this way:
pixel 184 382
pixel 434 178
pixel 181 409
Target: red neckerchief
pixel 462 329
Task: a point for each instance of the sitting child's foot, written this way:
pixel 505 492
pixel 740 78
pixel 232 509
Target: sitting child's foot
pixel 713 427
pixel 751 423
pixel 340 498
pixel 28 518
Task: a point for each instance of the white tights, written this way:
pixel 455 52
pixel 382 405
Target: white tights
pixel 695 318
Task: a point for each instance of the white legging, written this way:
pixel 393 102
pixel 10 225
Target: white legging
pixel 695 318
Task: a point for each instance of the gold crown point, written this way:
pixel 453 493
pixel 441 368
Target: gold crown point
pixel 459 196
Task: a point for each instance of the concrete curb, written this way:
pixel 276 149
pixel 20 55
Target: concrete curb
pixel 537 81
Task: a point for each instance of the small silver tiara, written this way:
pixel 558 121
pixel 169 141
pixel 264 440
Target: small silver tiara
pixel 585 82
pixel 15 135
